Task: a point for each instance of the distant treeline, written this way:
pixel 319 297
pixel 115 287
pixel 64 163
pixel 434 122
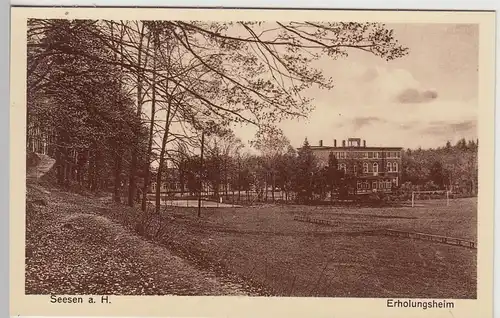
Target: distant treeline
pixel 283 173
pixel 451 167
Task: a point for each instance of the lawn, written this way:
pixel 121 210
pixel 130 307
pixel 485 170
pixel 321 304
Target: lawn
pixel 459 219
pixel 265 245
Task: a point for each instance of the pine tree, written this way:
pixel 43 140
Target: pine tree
pixel 307 167
pixel 332 174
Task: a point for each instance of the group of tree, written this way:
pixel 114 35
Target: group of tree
pixel 453 167
pixel 278 172
pixel 297 175
pixel 111 99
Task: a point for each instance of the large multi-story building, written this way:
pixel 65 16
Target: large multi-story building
pixel 170 184
pixel 372 168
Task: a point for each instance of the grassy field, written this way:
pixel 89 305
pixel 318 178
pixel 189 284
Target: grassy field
pixel 264 245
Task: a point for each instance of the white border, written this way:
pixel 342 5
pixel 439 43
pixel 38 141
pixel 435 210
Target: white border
pixel 345 4
pixel 352 4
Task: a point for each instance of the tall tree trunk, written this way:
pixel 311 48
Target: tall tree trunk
pixel 65 166
pixel 273 186
pixel 266 185
pixel 151 132
pixel 91 169
pixel 239 178
pixel 226 179
pixel 162 158
pixel 74 165
pixel 62 158
pixel 200 171
pixel 133 172
pixel 118 160
pixel 331 192
pixel 133 164
pixel 79 168
pixel 59 168
pixel 117 176
pixel 97 162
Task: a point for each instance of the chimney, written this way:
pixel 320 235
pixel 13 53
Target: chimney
pixel 321 143
pixel 343 143
pixel 335 142
pixel 364 143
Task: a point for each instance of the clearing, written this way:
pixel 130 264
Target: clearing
pixel 265 246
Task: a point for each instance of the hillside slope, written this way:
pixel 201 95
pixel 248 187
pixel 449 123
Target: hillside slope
pixel 72 250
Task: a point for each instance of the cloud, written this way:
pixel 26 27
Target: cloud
pixel 464 126
pixel 450 128
pixel 363 86
pixel 370 74
pixel 360 122
pixel 412 95
pixel 364 103
pixel 381 84
pixel 407 126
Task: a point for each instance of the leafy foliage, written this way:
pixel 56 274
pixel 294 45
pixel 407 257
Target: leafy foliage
pixel 91 84
pixel 451 166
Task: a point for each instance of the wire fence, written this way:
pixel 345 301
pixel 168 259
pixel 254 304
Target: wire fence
pixel 223 198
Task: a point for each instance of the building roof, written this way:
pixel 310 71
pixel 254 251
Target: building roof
pixel 354 148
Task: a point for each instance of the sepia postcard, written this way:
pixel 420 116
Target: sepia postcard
pixel 251 163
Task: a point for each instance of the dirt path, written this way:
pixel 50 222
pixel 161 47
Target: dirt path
pixel 70 250
pixel 44 165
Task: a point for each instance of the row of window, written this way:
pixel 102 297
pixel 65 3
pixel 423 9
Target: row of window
pixel 367 154
pixel 382 184
pixel 367 168
pixel 165 186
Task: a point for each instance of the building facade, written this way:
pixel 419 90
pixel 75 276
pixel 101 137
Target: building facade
pixel 372 169
pixel 171 182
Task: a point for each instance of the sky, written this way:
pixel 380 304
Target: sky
pixel 422 100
